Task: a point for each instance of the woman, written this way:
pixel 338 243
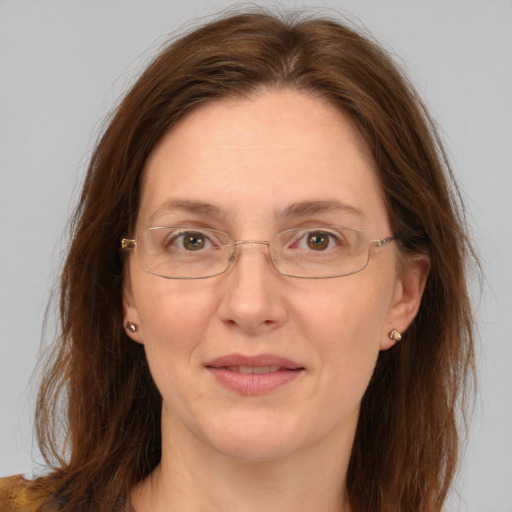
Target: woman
pixel 264 306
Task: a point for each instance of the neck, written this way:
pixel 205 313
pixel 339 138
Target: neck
pixel 193 478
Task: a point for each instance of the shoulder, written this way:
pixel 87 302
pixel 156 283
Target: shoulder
pixel 16 495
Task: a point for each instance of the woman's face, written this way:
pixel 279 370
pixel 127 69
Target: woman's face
pixel 252 168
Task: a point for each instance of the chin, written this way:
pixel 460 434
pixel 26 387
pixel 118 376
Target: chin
pixel 254 450
pixel 256 440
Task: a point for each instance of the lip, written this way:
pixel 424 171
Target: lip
pixel 254 384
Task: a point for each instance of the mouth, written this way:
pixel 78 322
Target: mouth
pixel 254 375
pixel 253 369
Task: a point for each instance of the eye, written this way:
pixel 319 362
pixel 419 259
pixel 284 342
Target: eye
pixel 318 241
pixel 194 241
pixel 189 241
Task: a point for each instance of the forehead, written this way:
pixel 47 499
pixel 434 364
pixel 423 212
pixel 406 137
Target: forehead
pixel 261 155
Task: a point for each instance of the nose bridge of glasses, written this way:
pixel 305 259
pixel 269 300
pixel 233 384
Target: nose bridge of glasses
pixel 235 245
pixel 244 242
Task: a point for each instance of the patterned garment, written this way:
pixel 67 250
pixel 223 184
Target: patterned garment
pixel 16 495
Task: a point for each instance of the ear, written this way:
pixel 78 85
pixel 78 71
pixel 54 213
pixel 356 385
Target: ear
pixel 130 313
pixel 407 297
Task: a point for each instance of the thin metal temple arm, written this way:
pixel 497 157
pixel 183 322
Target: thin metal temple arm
pixel 382 241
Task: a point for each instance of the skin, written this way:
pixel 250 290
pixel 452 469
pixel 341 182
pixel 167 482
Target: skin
pixel 289 449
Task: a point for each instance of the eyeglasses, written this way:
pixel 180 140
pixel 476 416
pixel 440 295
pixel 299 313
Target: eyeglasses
pixel 185 252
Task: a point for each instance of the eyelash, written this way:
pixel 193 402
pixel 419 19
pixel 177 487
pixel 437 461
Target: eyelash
pixel 337 240
pixel 178 239
pixel 170 240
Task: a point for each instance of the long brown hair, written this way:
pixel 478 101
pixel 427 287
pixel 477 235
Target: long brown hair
pixel 406 446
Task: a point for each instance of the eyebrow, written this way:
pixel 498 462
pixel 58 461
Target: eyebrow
pixel 299 209
pixel 190 206
pixel 305 208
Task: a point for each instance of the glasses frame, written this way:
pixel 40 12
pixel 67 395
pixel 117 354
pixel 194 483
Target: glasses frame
pixel 131 244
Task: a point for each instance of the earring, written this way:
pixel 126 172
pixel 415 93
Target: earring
pixel 131 326
pixel 395 335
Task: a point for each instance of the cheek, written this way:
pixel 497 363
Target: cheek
pixel 351 309
pixel 344 324
pixel 173 318
pixel 173 315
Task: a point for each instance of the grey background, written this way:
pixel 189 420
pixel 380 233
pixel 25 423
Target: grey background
pixel 63 64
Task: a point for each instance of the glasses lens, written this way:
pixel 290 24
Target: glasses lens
pixel 320 252
pixel 183 252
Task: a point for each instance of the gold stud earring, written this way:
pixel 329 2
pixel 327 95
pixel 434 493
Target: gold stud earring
pixel 395 335
pixel 131 326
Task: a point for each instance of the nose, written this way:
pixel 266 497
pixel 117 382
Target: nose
pixel 253 297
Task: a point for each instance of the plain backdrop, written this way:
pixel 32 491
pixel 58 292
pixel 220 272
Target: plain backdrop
pixel 64 64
